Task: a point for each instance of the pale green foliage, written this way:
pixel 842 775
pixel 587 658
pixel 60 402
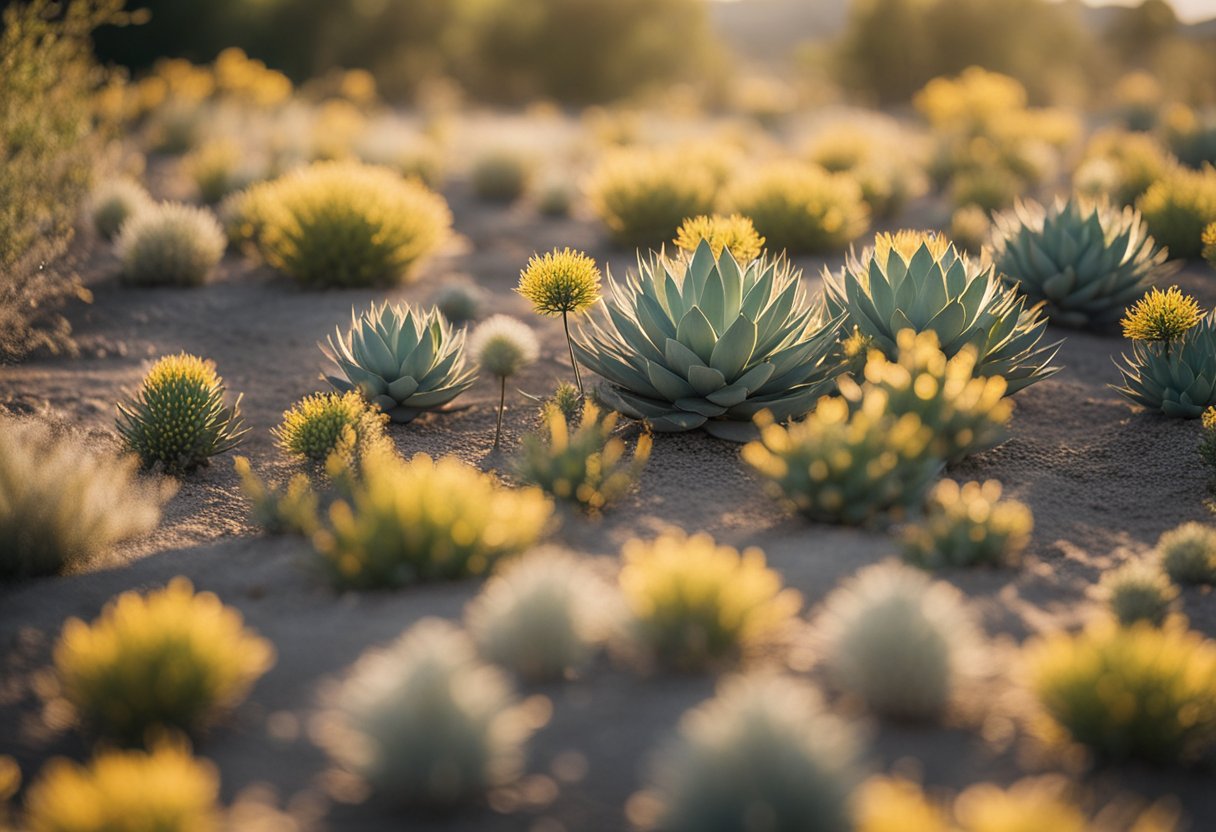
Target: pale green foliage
pixel 899 642
pixel 1188 553
pixel 705 343
pixel 170 245
pixel 543 616
pixel 1138 591
pixel 968 525
pixel 63 506
pixel 764 747
pixel 425 723
pixel 402 360
pixel 801 208
pixel 1085 260
pixel 1177 378
pixel 113 202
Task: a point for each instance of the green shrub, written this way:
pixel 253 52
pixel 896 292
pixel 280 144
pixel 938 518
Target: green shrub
pixel 325 423
pixel 170 245
pixel 900 643
pixel 801 208
pixel 217 169
pixel 425 520
pixel 1209 245
pixel 1177 209
pixel 178 420
pixel 968 525
pixel 1133 162
pixel 643 196
pixel 1138 591
pixel 501 176
pixel 63 506
pixel 169 659
pixel 970 226
pixel 1139 692
pixel 1207 442
pixel 289 509
pixel 1188 553
pixel 348 224
pixel 113 202
pixel 425 723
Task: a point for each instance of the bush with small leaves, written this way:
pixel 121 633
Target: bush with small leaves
pixel 695 604
pixel 1138 591
pixel 1207 441
pixel 897 641
pixel 968 525
pixel 846 466
pixel 990 188
pixel 113 202
pixel 1135 162
pixel 1139 692
pixel 584 464
pixel 1188 553
pixel 460 302
pixel 63 506
pixel 801 208
pixel 642 196
pixel 764 753
pixel 170 245
pixel 162 790
pixel 290 509
pixel 325 423
pixel 1178 207
pixel 171 659
pixel 344 224
pixel 1209 245
pixel 178 420
pixel 425 723
pixel 217 169
pixel 426 520
pixel 501 176
pixel 734 233
pixel 543 616
pixel 554 198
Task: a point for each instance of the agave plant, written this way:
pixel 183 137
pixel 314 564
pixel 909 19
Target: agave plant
pixel 704 343
pixel 1176 377
pixel 1085 260
pixel 920 281
pixel 403 360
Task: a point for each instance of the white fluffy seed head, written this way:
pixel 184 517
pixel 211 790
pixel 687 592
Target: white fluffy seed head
pixel 424 722
pixel 113 202
pixel 898 641
pixel 544 615
pixel 503 345
pixel 170 244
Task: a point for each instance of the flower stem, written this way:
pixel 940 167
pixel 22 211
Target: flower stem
pixel 502 403
pixel 578 379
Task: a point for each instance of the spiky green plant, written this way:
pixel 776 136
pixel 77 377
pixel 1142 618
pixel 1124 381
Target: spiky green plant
pixel 403 360
pixel 177 420
pixel 561 283
pixel 1178 207
pixel 564 400
pixel 584 464
pixel 1138 591
pixel 704 343
pixel 62 505
pixel 966 413
pixel 425 723
pixel 425 520
pixel 169 245
pixel 1085 260
pixel 734 232
pixel 113 202
pixel 919 281
pixel 1139 692
pixel 168 659
pixel 851 468
pixel 968 525
pixel 1175 377
pixel 320 424
pixel 1188 553
pixel 765 747
pixel 801 208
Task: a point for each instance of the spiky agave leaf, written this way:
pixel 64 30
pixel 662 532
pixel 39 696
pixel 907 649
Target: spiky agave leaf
pixel 705 342
pixel 920 281
pixel 403 360
pixel 1085 260
pixel 1177 378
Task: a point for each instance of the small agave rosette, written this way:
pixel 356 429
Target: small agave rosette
pixel 401 359
pixel 706 343
pixel 1176 378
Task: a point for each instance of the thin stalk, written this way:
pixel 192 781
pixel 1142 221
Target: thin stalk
pixel 578 379
pixel 502 403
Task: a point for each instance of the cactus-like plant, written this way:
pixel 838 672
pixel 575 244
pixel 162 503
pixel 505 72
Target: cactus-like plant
pixel 113 202
pixel 899 642
pixel 426 520
pixel 63 506
pixel 318 425
pixel 734 232
pixel 801 208
pixel 696 604
pixel 403 360
pixel 1178 207
pixel 919 281
pixel 425 723
pixel 177 420
pixel 966 413
pixel 1139 692
pixel 763 747
pixel 968 525
pixel 642 196
pixel 169 245
pixel 1188 553
pixel 165 789
pixel 705 343
pixel 852 468
pixel 1084 260
pixel 584 464
pixel 1138 591
pixel 543 616
pixel 1172 365
pixel 169 659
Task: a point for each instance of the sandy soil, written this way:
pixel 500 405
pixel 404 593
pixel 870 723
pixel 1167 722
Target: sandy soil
pixel 1103 479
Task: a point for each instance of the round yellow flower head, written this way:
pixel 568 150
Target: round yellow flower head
pixel 1161 316
pixel 560 282
pixel 736 233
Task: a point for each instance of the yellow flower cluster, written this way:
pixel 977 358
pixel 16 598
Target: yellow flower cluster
pixel 735 233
